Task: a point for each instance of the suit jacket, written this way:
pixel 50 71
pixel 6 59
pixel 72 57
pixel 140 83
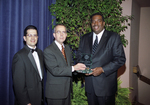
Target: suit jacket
pixel 109 55
pixel 58 72
pixel 26 79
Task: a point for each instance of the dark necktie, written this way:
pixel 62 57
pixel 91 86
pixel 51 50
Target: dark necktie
pixel 63 52
pixel 95 45
pixel 34 50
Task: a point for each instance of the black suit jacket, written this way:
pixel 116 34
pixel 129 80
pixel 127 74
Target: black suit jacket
pixel 58 72
pixel 26 79
pixel 110 56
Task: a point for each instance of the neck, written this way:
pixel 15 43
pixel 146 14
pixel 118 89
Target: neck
pixel 32 47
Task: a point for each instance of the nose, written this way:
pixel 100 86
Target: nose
pixel 61 33
pixel 96 23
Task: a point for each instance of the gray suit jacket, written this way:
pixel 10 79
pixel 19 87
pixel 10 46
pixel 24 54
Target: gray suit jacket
pixel 58 72
pixel 110 56
pixel 26 79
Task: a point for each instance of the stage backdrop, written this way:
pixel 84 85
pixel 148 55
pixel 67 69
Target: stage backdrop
pixel 15 15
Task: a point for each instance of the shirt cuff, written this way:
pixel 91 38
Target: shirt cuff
pixel 72 69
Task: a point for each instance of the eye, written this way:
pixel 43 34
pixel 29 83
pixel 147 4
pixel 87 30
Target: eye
pixel 64 32
pixel 93 21
pixel 29 35
pixel 35 35
pixel 58 32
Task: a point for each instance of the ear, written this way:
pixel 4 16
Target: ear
pixel 24 38
pixel 104 23
pixel 54 35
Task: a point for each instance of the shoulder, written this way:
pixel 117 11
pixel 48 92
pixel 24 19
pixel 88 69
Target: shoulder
pixel 21 52
pixel 51 48
pixel 112 34
pixel 19 55
pixel 48 47
pixel 67 47
pixel 86 36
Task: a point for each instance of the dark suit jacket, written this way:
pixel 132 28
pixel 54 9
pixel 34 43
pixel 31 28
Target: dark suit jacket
pixel 26 79
pixel 58 72
pixel 110 56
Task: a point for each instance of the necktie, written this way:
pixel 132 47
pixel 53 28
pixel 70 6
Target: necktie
pixel 95 45
pixel 63 52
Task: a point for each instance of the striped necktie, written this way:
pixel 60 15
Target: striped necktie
pixel 95 45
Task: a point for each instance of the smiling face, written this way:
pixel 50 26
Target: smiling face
pixel 60 34
pixel 97 23
pixel 31 37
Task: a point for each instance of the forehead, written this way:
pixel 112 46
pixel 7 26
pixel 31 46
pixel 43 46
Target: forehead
pixel 31 31
pixel 96 17
pixel 60 28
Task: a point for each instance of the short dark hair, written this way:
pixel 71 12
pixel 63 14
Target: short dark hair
pixel 29 27
pixel 99 13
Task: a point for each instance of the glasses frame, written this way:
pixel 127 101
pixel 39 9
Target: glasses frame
pixel 32 35
pixel 59 32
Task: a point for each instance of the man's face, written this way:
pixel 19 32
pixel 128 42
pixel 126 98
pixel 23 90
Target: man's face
pixel 31 38
pixel 60 34
pixel 97 24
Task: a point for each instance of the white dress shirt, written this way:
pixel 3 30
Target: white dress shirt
pixel 36 58
pixel 98 35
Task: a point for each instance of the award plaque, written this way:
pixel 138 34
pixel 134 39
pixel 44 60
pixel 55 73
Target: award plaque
pixel 87 60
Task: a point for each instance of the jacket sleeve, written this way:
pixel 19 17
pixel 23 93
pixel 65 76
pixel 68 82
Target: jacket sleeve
pixel 118 57
pixel 19 83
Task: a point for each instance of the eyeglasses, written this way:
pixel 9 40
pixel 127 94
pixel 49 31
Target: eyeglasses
pixel 59 32
pixel 30 35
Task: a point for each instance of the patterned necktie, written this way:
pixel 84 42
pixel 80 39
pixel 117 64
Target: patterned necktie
pixel 95 45
pixel 63 52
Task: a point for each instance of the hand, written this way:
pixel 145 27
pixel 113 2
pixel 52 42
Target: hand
pixel 96 71
pixel 29 104
pixel 79 66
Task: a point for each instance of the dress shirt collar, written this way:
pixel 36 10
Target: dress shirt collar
pixel 98 35
pixel 31 47
pixel 59 45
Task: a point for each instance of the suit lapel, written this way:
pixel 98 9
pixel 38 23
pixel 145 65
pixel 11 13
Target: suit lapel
pixel 32 61
pixel 58 51
pixel 90 42
pixel 30 56
pixel 67 54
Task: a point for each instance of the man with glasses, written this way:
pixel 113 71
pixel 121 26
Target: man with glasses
pixel 58 61
pixel 27 70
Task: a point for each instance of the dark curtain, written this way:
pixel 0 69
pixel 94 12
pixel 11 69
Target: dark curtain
pixel 15 15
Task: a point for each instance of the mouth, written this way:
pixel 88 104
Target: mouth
pixel 95 27
pixel 61 38
pixel 33 41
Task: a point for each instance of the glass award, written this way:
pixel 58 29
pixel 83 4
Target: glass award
pixel 87 60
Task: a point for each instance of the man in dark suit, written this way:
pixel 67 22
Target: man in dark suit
pixel 27 70
pixel 107 57
pixel 59 69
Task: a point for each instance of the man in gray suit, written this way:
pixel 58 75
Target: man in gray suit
pixel 27 70
pixel 59 69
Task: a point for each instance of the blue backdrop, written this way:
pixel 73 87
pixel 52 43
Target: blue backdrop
pixel 15 15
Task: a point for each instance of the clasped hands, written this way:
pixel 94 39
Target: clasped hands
pixel 96 71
